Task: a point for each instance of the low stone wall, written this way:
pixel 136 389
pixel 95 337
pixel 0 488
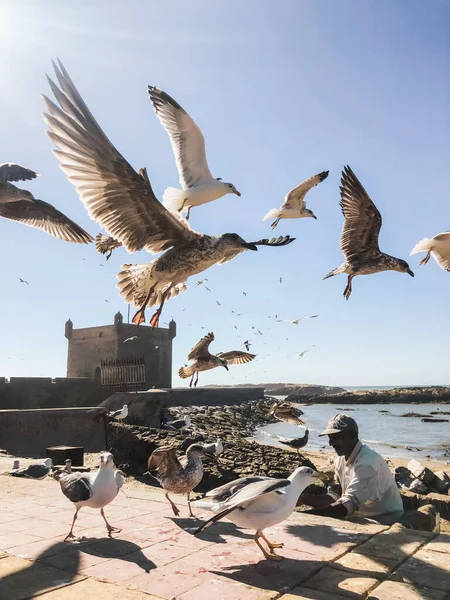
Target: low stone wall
pixel 218 396
pixel 144 408
pixel 30 432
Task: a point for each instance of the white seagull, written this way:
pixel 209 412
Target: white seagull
pixel 123 202
pixel 120 414
pixel 294 205
pixel 130 339
pixel 296 321
pixel 438 247
pixel 94 490
pixel 188 144
pixel 34 471
pixel 258 503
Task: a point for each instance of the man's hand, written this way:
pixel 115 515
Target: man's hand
pixel 335 510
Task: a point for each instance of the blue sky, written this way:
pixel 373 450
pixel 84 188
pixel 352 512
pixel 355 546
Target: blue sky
pixel 281 90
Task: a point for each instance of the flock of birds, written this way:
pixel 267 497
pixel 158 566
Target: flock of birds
pixel 121 200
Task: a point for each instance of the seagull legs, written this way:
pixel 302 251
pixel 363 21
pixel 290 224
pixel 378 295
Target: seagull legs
pixel 176 510
pixel 191 514
pixel 269 555
pixel 348 289
pixel 139 317
pixel 70 535
pixel 192 379
pixel 154 321
pixel 196 381
pixel 275 223
pixel 109 527
pixel 426 259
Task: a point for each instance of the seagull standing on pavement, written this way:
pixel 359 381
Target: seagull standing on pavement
pixel 437 247
pixel 34 471
pixel 188 144
pixel 294 206
pixel 359 238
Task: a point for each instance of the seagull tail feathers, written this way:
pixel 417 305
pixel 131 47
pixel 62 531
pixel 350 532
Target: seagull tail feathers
pixel 185 372
pixel 105 244
pixel 336 271
pixel 206 505
pixel 174 200
pixel 423 246
pixel 272 214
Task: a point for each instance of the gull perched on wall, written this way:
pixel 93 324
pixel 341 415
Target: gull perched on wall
pixel 20 205
pixel 188 144
pixel 120 414
pixel 121 201
pixel 204 360
pixel 437 247
pixel 359 238
pixel 294 205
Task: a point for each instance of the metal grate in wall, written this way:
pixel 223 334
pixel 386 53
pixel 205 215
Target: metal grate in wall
pixel 123 373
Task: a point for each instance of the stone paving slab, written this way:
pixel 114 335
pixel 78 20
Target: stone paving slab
pixel 21 579
pixel 394 590
pixel 441 543
pixel 220 589
pixel 302 593
pixel 426 569
pixel 90 589
pixel 347 584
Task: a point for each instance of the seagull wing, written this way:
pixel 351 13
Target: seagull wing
pixel 114 194
pixel 15 172
pixel 187 140
pixel 254 490
pixel 76 487
pixel 362 219
pixel 201 349
pixel 165 461
pixel 441 250
pixel 294 198
pixel 236 357
pixel 224 492
pixel 42 215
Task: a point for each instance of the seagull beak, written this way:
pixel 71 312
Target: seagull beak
pixel 321 476
pixel 314 217
pixel 250 246
pixel 410 272
pixel 237 193
pixel 226 367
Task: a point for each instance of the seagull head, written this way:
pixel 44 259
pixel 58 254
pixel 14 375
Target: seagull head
pixel 24 194
pixel 106 460
pixel 234 243
pixel 199 451
pixel 309 213
pixel 305 476
pixel 230 188
pixel 403 267
pixel 48 463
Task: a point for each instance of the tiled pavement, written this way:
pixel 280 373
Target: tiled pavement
pixel 154 558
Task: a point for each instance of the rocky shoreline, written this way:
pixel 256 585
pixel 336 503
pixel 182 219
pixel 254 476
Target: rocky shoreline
pixel 409 395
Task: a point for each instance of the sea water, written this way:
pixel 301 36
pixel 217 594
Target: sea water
pixel 388 433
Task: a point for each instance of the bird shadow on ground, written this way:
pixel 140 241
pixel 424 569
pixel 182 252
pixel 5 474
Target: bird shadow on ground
pixel 116 548
pixel 37 576
pixel 213 533
pixel 320 535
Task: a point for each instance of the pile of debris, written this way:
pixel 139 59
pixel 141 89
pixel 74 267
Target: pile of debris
pixel 420 480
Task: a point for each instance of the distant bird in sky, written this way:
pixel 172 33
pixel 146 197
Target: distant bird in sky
pixel 244 293
pixel 235 326
pixel 259 332
pixel 217 302
pixel 204 360
pixel 281 280
pixel 188 144
pixel 302 354
pixel 294 206
pixel 200 281
pixel 130 339
pixel 437 247
pixel 20 205
pixel 359 238
pixel 296 321
pixel 246 345
pixel 122 202
pixel 23 280
pixel 107 301
pixel 207 289
pixel 120 414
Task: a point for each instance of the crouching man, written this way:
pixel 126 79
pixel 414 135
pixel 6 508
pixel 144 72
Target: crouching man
pixel 363 485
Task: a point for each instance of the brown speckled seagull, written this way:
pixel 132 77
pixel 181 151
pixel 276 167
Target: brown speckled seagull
pixel 204 360
pixel 122 202
pixel 20 205
pixel 359 238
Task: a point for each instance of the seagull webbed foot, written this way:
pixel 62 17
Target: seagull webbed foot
pixel 154 321
pixel 426 259
pixel 139 317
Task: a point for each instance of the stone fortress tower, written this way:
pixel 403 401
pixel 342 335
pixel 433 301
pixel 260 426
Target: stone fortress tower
pixel 101 353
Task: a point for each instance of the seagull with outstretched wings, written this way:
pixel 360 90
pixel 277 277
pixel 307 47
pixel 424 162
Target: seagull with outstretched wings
pixel 204 360
pixel 359 238
pixel 294 205
pixel 123 202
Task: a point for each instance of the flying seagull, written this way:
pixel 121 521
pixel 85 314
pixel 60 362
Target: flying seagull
pixel 179 476
pixel 188 144
pixel 130 339
pixel 120 414
pixel 200 281
pixel 302 354
pixel 257 503
pixel 23 280
pixel 294 206
pixel 438 247
pixel 246 345
pixel 34 471
pixel 359 238
pixel 287 412
pixel 20 205
pixel 122 202
pixel 94 490
pixel 204 360
pixel 296 321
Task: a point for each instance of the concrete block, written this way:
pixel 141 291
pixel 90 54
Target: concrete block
pixel 440 544
pixel 394 590
pixel 425 569
pixel 372 565
pixel 336 581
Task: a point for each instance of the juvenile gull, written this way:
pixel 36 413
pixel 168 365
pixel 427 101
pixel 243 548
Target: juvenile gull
pixel 258 503
pixel 94 490
pixel 123 202
pixel 438 247
pixel 20 205
pixel 34 471
pixel 188 144
pixel 294 206
pixel 179 476
pixel 287 412
pixel 204 360
pixel 359 238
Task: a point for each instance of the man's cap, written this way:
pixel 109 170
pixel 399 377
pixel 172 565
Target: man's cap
pixel 340 423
